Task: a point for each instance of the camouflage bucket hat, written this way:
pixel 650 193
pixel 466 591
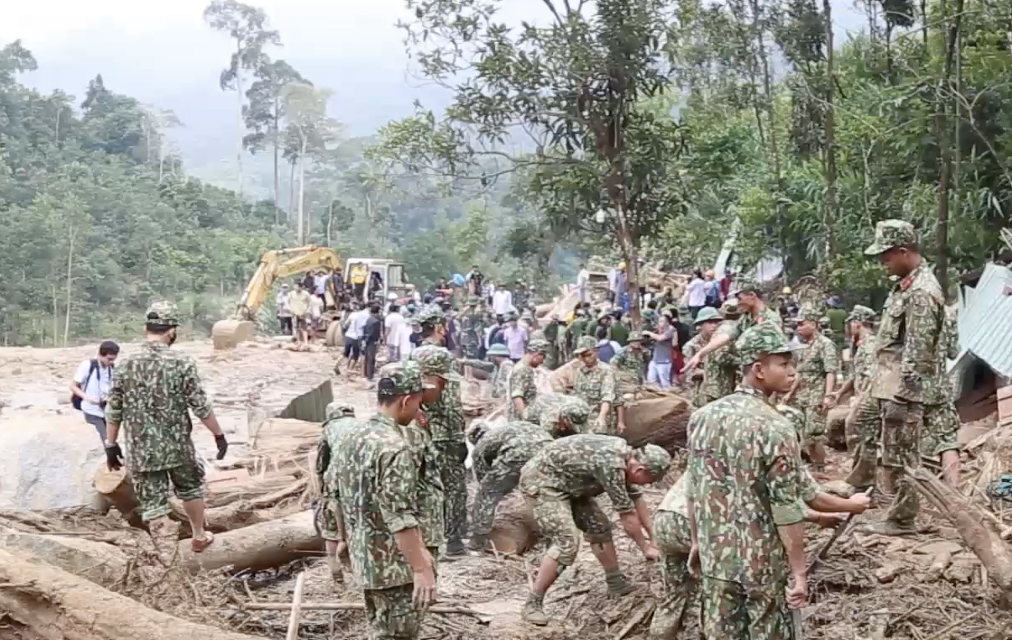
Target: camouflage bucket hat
pixel 584 344
pixel 574 409
pixel 889 234
pixel 795 416
pixel 635 336
pixel 477 431
pixel 435 361
pixel 861 313
pixel 760 341
pixel 400 379
pixel 656 460
pixel 340 409
pixel 809 314
pixel 498 350
pixel 163 313
pixel 707 314
pixel 538 345
pixel 430 314
pixel 745 285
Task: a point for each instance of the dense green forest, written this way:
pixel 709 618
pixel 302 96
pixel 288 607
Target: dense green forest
pixel 621 128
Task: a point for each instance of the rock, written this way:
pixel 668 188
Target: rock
pixel 962 569
pixel 895 546
pixel 934 548
pixel 939 563
pixel 888 572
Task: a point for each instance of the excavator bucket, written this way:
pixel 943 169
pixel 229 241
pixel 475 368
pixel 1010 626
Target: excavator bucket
pixel 226 334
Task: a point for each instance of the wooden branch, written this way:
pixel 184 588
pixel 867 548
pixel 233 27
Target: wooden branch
pixel 358 606
pixel 293 619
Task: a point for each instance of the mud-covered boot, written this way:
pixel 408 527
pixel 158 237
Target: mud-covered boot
pixel 455 549
pixel 534 610
pixel 336 574
pixel 617 584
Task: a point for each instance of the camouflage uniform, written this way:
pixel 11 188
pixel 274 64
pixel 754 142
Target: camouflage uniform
pixel 674 540
pixel 744 479
pixel 721 371
pixel 690 349
pixel 521 380
pixel 941 421
pixel 908 375
pixel 595 386
pixel 340 415
pixel 561 481
pixel 151 396
pixel 376 482
pixel 472 329
pixel 498 457
pixel 430 498
pixel 549 408
pixel 816 361
pixel 863 419
pixel 631 363
pixel 446 426
pixel 501 379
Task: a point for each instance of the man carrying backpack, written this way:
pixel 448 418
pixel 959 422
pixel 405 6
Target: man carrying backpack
pixel 90 387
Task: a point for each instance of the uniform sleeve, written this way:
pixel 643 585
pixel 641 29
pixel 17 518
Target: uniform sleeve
pixel 519 384
pixel 608 393
pixel 612 478
pixel 486 450
pixel 830 359
pixel 399 484
pixel 809 487
pixel 114 403
pixel 922 324
pixel 193 390
pixel 783 476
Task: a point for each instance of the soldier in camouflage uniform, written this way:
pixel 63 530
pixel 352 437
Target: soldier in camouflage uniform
pixel 941 421
pixel 817 365
pixel 500 357
pixel 377 482
pixel 909 376
pixel 594 383
pixel 706 322
pixel 472 328
pixel 631 364
pixel 522 390
pixel 553 331
pixel 499 455
pixel 560 483
pixel 151 396
pixel 328 513
pixel 559 414
pixel 862 426
pixel 754 310
pixel 446 426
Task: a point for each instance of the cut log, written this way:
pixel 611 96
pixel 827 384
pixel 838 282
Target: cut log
pixel 117 487
pixel 221 519
pixel 515 531
pixel 56 605
pixel 101 563
pixel 980 529
pixel 260 546
pixel 661 419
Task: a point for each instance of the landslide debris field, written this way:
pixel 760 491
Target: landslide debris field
pixel 67 571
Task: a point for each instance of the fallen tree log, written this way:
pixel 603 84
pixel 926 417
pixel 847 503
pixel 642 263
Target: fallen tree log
pixel 979 528
pixel 117 487
pixel 98 562
pixel 221 519
pixel 56 605
pixel 260 546
pixel 661 418
pixel 514 531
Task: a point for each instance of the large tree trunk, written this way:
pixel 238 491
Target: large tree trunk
pixel 832 202
pixel 277 178
pixel 260 546
pixel 101 563
pixel 238 112
pixel 56 605
pixel 302 188
pixel 70 281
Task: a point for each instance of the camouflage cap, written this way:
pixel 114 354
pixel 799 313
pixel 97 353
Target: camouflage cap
pixel 889 234
pixel 340 409
pixel 498 349
pixel 574 409
pixel 745 285
pixel 861 313
pixel 435 361
pixel 400 379
pixel 795 416
pixel 760 341
pixel 477 431
pixel 809 314
pixel 163 313
pixel 538 345
pixel 584 344
pixel 430 314
pixel 656 460
pixel 635 336
pixel 707 314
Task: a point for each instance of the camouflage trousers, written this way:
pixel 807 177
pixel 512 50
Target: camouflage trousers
pixel 152 488
pixel 901 447
pixel 941 430
pixel 495 485
pixel 674 539
pixel 327 519
pixel 732 611
pixel 862 429
pixel 561 519
pixel 450 457
pixel 815 424
pixel 391 615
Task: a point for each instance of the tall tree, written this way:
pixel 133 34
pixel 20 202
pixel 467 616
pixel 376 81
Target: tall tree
pixel 249 27
pixel 265 113
pixel 310 128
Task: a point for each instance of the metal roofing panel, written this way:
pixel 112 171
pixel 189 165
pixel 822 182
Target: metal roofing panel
pixel 985 327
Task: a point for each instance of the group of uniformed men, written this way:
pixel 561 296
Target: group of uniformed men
pixel 395 491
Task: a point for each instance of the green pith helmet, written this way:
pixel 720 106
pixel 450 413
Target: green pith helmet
pixel 707 314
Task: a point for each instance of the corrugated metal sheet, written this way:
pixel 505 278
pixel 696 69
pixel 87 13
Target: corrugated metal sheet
pixel 985 325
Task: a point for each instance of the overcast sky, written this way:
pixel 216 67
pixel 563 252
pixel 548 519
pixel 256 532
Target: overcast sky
pixel 163 53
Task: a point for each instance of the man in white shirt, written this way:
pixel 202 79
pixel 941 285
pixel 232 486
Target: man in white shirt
pixel 91 384
pixel 696 293
pixel 316 305
pixel 394 325
pixel 502 302
pixel 582 282
pixel 284 313
pixel 353 335
pixel 320 285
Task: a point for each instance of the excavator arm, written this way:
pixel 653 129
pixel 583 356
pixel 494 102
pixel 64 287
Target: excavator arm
pixel 282 263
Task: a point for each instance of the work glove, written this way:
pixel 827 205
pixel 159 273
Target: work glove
pixel 895 411
pixel 222 444
pixel 462 453
pixel 114 456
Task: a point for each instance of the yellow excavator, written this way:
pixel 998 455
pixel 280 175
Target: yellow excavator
pixel 282 263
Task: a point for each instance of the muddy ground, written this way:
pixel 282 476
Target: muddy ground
pixel 869 587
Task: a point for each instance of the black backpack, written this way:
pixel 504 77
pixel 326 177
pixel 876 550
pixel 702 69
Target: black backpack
pixel 74 400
